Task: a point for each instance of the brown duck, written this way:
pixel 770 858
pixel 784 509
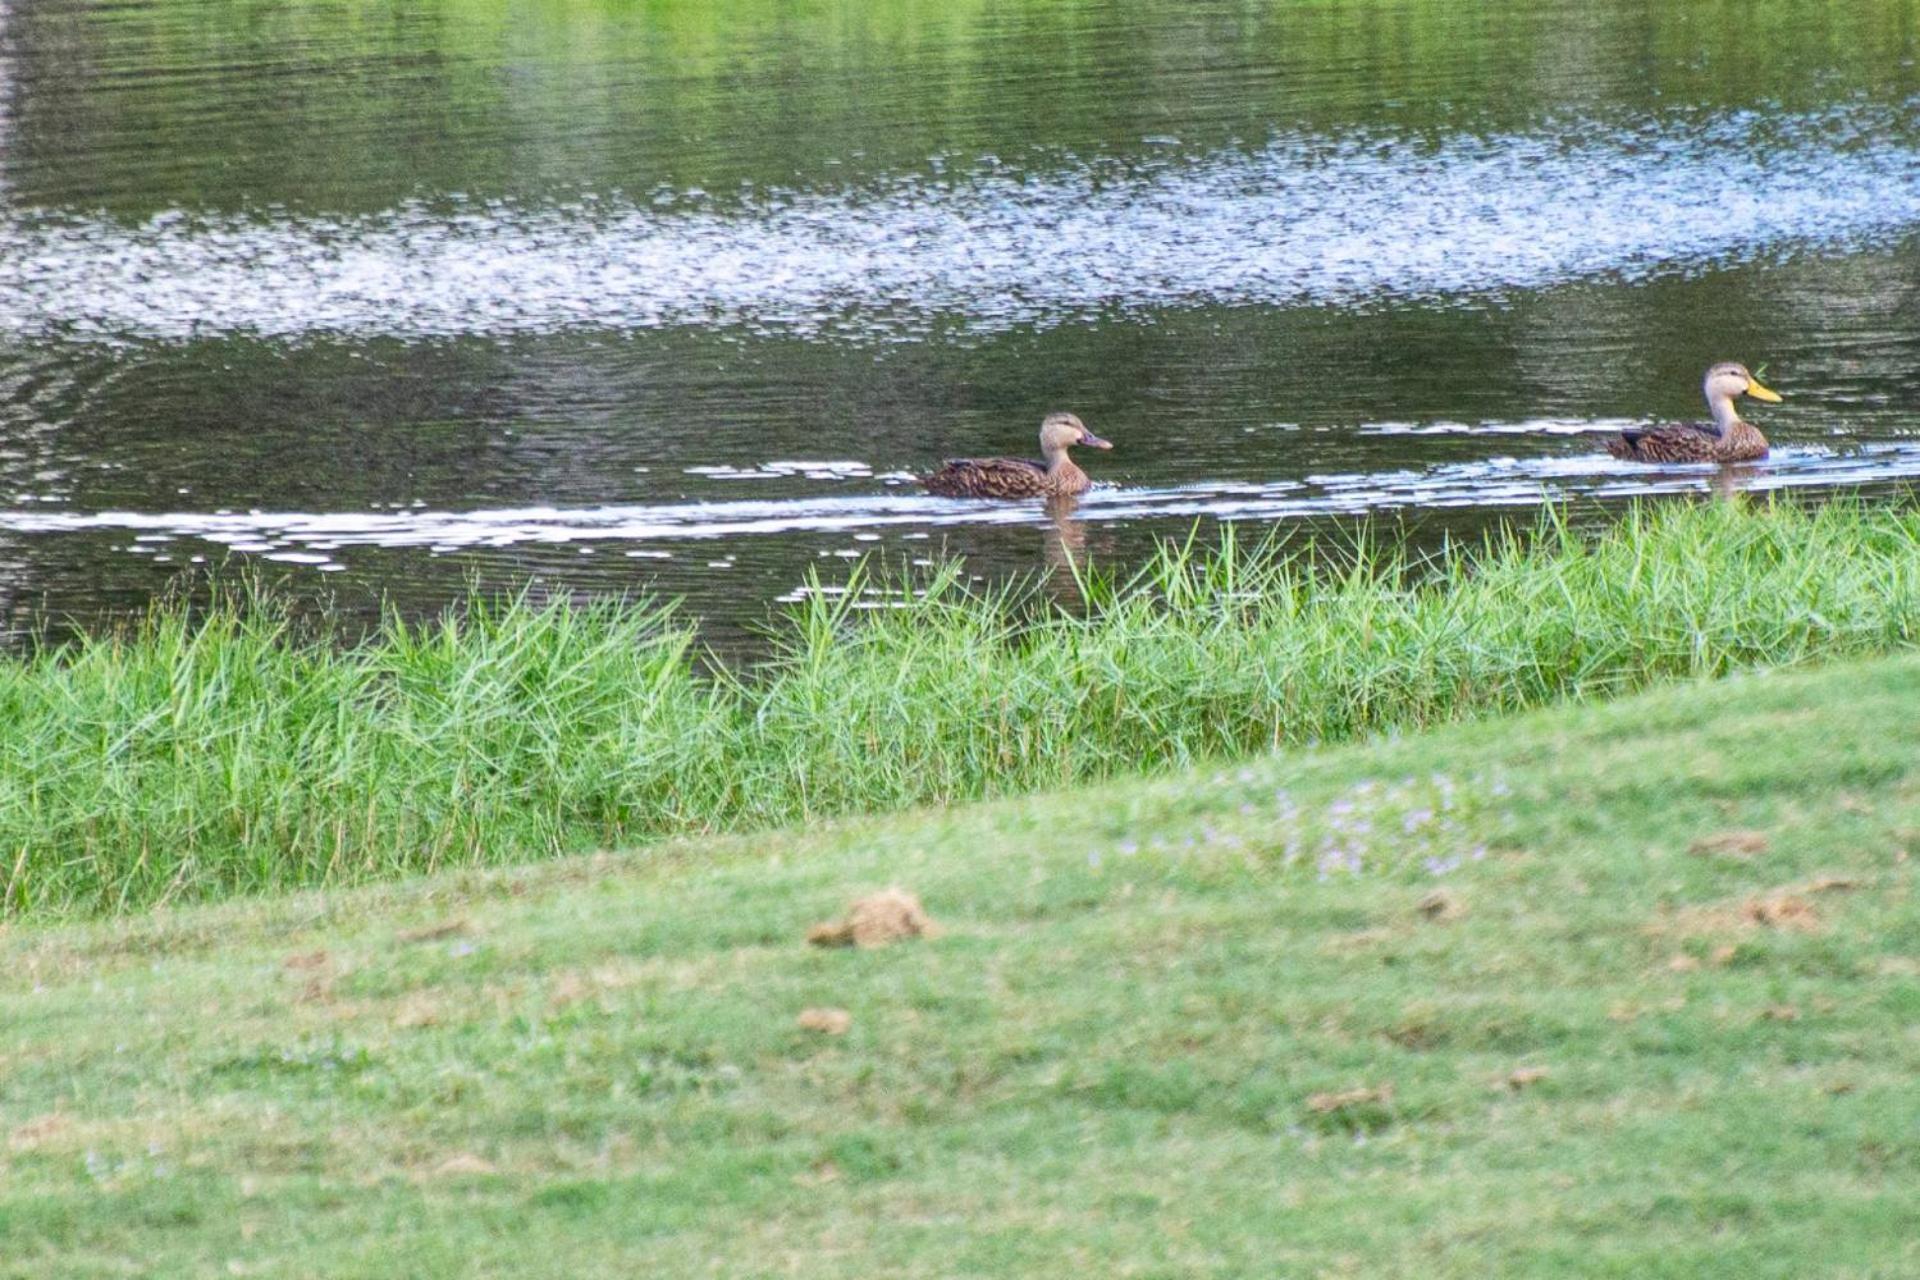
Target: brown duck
pixel 1022 477
pixel 1725 439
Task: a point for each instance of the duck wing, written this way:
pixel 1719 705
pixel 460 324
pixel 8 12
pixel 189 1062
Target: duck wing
pixel 988 478
pixel 1668 442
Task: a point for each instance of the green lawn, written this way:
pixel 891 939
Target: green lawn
pixel 1692 910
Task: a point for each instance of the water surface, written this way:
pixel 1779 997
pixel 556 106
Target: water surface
pixel 609 297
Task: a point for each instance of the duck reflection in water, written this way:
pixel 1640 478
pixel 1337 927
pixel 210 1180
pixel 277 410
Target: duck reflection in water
pixel 1065 543
pixel 1731 482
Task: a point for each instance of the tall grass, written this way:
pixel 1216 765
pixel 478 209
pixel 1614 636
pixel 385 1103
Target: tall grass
pixel 209 753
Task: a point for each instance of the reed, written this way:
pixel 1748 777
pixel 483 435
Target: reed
pixel 211 752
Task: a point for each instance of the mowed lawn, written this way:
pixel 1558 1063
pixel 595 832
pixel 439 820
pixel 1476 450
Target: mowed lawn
pixel 1620 991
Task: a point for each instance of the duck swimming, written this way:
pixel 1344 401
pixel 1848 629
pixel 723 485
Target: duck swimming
pixel 1022 477
pixel 1725 439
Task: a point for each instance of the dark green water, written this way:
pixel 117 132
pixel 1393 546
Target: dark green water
pixel 608 296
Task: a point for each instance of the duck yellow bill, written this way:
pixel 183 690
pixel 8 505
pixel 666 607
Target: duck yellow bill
pixel 1759 392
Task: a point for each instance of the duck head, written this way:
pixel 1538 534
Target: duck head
pixel 1726 382
pixel 1728 379
pixel 1061 431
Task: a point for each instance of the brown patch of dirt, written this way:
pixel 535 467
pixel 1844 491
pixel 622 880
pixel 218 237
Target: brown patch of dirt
pixel 1328 1103
pixel 416 1011
pixel 877 920
pixel 1780 1013
pixel 1628 1010
pixel 432 932
pixel 1682 963
pixel 307 960
pixel 1357 940
pixel 318 990
pixel 1521 1078
pixel 1781 911
pixel 1440 906
pixel 464 1164
pixel 1730 844
pixel 1723 955
pixel 1417 1034
pixel 828 1022
pixel 574 985
pixel 819 1175
pixel 570 988
pixel 1831 884
pixel 37 1130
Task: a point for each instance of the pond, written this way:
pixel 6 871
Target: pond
pixel 603 296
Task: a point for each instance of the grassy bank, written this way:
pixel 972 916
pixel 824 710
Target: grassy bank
pixel 1661 1025
pixel 207 755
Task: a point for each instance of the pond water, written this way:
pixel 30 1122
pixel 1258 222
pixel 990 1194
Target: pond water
pixel 623 295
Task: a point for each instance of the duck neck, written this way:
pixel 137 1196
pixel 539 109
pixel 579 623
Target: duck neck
pixel 1725 416
pixel 1063 476
pixel 1057 461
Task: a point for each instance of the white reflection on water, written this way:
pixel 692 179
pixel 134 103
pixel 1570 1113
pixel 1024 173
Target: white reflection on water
pixel 1302 220
pixel 313 537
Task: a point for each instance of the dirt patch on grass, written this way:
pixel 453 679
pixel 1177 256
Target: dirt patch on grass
pixel 415 1011
pixel 828 1022
pixel 36 1131
pixel 1327 1104
pixel 1830 884
pixel 465 1164
pixel 1631 1011
pixel 877 920
pixel 1441 906
pixel 1730 844
pixel 1784 911
pixel 318 990
pixel 1358 940
pixel 432 932
pixel 571 986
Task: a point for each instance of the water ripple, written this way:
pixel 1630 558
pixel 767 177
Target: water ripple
pixel 313 537
pixel 1302 220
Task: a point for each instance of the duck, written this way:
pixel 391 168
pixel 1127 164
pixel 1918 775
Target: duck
pixel 1725 439
pixel 1055 477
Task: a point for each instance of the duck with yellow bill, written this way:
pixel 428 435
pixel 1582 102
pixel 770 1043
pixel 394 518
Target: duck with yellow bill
pixel 1727 438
